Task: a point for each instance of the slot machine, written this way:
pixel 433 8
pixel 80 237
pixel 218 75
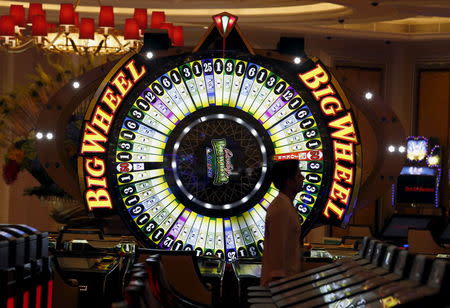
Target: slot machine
pixel 41 284
pixel 13 271
pixel 91 271
pixel 419 179
pixel 7 246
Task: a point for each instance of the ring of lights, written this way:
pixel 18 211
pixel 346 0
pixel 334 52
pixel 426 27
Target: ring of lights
pixel 249 153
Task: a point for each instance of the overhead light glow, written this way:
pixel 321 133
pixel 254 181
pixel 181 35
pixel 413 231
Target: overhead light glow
pixel 297 60
pixel 391 148
pixel 149 55
pixel 368 95
pixel 401 149
pixel 76 84
pixel 433 161
pixel 39 135
pixel 49 136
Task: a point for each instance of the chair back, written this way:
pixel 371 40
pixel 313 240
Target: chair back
pixel 379 253
pixel 370 249
pixel 438 278
pixel 390 258
pixel 364 245
pixel 420 269
pixel 404 263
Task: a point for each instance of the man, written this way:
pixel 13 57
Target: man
pixel 282 248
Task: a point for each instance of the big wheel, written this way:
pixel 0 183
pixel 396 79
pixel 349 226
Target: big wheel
pixel 187 153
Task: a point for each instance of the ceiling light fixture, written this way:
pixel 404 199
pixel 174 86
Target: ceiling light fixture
pixel 49 136
pixel 71 35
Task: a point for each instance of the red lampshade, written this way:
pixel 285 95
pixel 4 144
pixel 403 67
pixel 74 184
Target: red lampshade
pixel 141 17
pixel 6 26
pixel 131 31
pixel 39 26
pixel 67 14
pixel 169 27
pixel 178 36
pixel 87 28
pixel 157 19
pixel 106 17
pixel 33 10
pixel 51 28
pixel 76 20
pixel 17 12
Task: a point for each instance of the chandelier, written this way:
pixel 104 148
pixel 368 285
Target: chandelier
pixel 73 35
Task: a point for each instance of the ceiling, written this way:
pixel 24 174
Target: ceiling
pixel 385 19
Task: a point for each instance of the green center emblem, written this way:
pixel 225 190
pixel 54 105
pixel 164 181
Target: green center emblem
pixel 219 162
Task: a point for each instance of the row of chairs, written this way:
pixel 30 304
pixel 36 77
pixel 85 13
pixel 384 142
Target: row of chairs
pixel 381 275
pixel 153 285
pixel 26 277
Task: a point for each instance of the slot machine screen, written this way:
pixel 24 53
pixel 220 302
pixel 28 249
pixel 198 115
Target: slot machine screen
pixel 398 226
pixel 416 185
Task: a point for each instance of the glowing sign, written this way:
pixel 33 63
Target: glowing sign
pixel 95 135
pixel 416 148
pixel 224 23
pixel 222 161
pixel 344 139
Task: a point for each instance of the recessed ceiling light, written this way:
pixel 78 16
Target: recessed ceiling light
pixel 368 95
